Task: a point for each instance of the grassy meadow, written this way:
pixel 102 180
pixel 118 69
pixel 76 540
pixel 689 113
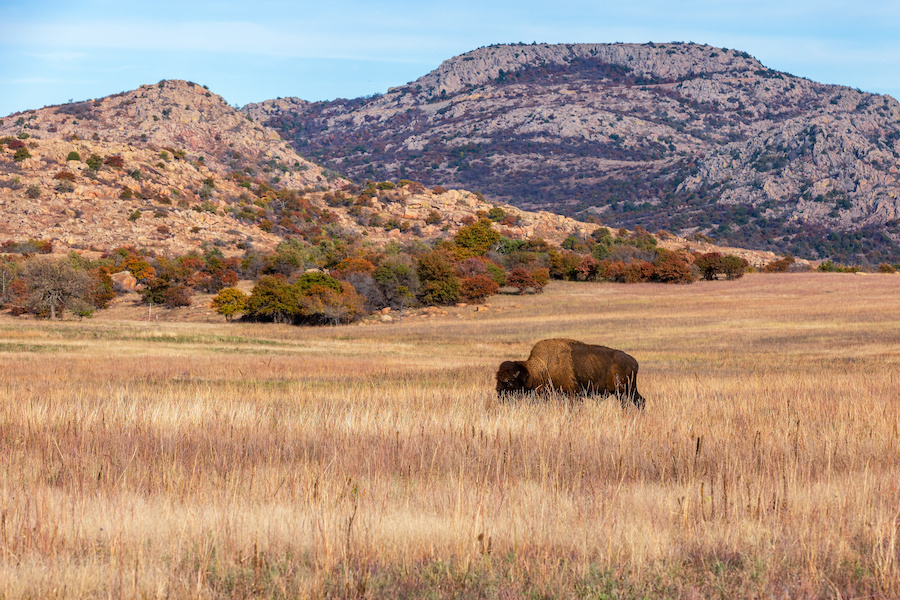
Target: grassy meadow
pixel 214 460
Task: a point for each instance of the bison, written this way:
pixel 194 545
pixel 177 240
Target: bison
pixel 572 367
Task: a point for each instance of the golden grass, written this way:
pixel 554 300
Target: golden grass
pixel 211 460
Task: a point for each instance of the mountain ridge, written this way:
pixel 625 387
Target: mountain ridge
pixel 682 137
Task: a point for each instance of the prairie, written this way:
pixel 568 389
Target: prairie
pixel 188 459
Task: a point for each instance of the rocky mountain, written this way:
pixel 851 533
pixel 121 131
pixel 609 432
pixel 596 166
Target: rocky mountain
pixel 169 167
pixel 681 137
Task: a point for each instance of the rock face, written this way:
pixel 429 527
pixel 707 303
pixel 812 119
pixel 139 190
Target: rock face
pixel 682 137
pixel 124 281
pixel 413 211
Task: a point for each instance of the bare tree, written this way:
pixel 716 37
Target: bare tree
pixel 54 285
pixel 8 273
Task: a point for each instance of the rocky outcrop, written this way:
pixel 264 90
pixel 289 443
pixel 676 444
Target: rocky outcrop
pixel 180 115
pixel 124 281
pixel 660 61
pixel 412 211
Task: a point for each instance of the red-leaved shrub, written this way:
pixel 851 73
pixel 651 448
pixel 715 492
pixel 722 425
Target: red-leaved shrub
pixel 476 288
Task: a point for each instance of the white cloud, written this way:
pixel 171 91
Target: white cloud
pixel 290 40
pixel 57 57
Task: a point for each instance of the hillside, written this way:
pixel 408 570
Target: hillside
pixel 176 168
pixel 681 137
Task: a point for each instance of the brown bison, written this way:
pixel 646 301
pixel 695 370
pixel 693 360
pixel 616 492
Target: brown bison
pixel 572 367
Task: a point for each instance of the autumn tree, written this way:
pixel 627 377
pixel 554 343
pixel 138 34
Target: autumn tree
pixel 541 277
pixel 229 302
pixel 521 279
pixel 54 286
pixel 476 288
pixel 314 298
pixel 324 299
pixel 440 284
pixel 475 239
pixel 780 265
pixel 101 290
pixel 672 267
pixel 709 264
pixel 173 283
pixel 272 299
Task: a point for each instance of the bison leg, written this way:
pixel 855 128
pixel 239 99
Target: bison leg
pixel 635 398
pixel 629 393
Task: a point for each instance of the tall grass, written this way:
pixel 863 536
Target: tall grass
pixel 214 460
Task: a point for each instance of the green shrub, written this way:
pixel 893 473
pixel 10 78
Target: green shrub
pixel 272 299
pixel 21 154
pixel 475 239
pixel 94 162
pixel 206 206
pixel 397 281
pixel 710 265
pixel 734 267
pixel 439 282
pixel 441 291
pixel 33 191
pixel 73 156
pixel 497 273
pixel 640 238
pixel 496 214
pixel 308 281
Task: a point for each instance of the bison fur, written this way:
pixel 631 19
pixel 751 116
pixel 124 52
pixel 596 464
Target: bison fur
pixel 572 367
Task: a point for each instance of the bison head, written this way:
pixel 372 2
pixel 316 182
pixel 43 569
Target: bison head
pixel 512 376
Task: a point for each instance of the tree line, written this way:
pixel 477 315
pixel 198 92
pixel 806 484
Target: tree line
pixel 340 280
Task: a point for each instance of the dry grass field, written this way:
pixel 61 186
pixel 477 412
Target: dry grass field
pixel 210 460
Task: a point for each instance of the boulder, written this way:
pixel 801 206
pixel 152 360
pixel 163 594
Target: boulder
pixel 124 281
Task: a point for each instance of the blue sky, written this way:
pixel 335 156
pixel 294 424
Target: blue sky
pixel 54 51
